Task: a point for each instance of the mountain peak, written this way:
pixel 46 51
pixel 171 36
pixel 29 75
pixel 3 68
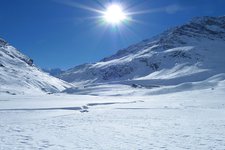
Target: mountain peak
pixel 198 27
pixel 2 42
pixel 208 20
pixel 183 51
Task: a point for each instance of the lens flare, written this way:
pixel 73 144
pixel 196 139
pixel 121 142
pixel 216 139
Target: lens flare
pixel 114 14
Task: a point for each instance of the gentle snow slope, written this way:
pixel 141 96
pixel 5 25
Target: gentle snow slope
pixel 186 120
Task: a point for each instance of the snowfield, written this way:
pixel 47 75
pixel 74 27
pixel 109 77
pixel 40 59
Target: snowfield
pixel 183 120
pixel 167 92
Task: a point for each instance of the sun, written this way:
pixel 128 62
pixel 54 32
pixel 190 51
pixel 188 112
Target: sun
pixel 114 14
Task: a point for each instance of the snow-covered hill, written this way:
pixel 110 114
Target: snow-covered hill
pixel 54 71
pixel 192 52
pixel 18 74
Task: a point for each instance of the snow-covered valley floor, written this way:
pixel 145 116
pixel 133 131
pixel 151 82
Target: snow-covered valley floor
pixel 184 120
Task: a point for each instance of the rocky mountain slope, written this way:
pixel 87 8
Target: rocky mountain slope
pixel 18 74
pixel 188 53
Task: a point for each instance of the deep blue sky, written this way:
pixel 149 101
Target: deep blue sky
pixel 60 35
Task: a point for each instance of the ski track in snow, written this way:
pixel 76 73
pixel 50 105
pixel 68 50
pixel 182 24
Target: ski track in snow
pixel 185 120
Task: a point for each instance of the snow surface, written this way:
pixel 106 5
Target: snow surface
pixel 182 120
pixel 167 93
pixel 18 74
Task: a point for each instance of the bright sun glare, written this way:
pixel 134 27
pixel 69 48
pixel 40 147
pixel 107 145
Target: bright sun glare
pixel 114 14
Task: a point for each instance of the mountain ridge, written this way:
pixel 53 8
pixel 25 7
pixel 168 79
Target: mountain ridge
pixel 19 75
pixel 183 49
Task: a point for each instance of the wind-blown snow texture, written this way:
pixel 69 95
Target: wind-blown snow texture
pixel 189 53
pixel 18 74
pixel 177 121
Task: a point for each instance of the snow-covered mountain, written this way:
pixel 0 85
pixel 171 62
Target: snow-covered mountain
pixel 188 53
pixel 54 71
pixel 18 74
